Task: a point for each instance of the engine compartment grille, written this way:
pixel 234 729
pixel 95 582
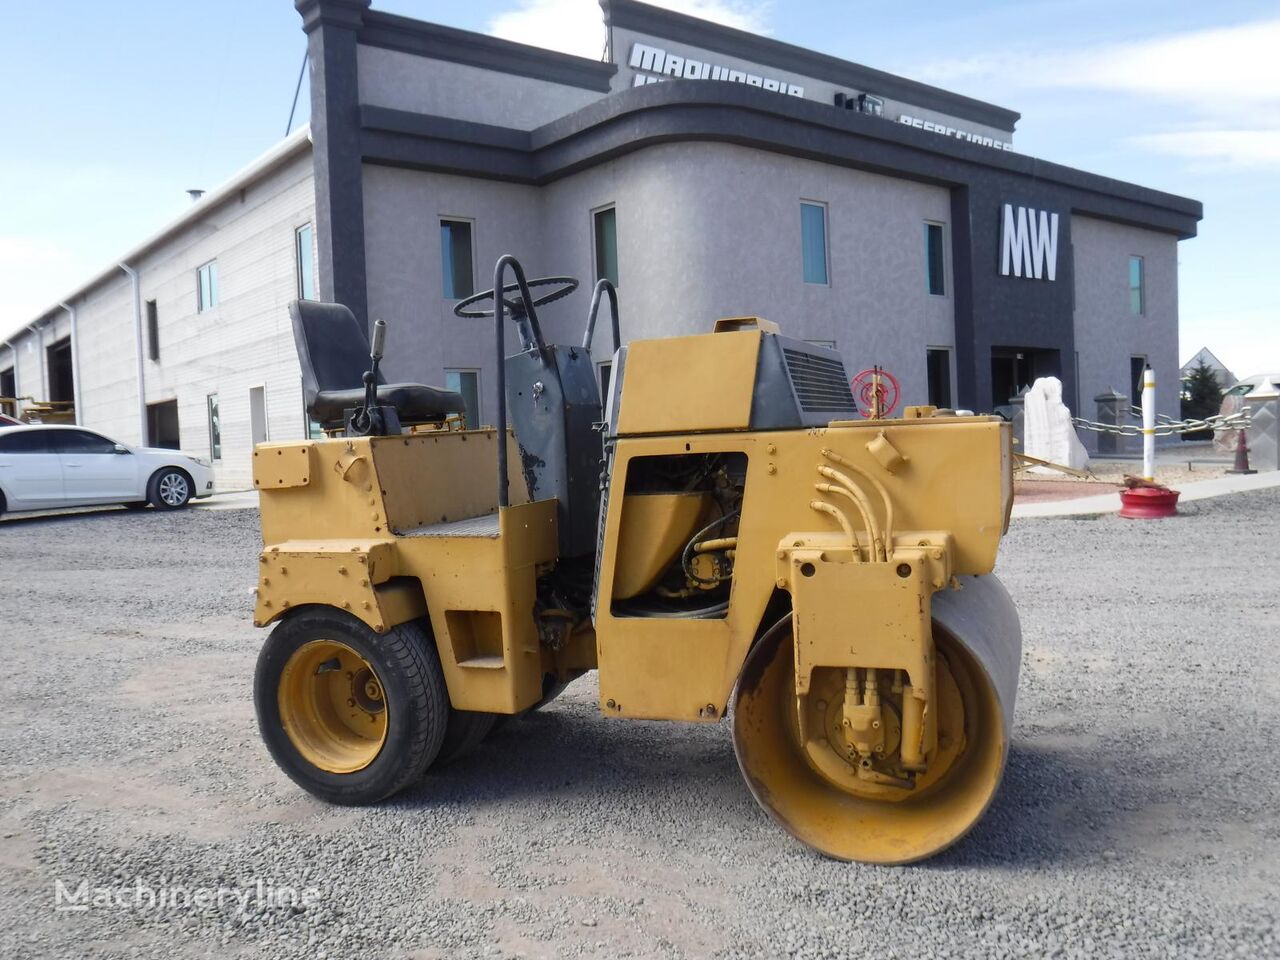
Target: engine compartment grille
pixel 820 383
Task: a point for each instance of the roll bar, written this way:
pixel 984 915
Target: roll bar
pixel 603 286
pixel 500 319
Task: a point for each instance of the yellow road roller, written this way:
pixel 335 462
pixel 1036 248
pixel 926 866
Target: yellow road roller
pixel 720 536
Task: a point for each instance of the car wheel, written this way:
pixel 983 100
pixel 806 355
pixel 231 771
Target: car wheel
pixel 169 489
pixel 2 504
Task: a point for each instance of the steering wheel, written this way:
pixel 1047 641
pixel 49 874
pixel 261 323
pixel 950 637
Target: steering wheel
pixel 562 287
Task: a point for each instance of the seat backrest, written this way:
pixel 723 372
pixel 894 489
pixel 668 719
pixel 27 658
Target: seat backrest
pixel 333 348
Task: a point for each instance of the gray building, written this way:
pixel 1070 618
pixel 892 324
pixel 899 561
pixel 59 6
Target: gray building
pixel 714 173
pixel 708 171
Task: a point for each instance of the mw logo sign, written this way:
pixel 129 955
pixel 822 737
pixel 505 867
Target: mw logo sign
pixel 1028 243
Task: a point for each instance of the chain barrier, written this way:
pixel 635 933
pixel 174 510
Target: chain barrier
pixel 1167 426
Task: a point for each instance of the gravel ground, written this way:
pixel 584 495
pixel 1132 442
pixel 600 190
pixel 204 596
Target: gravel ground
pixel 1138 817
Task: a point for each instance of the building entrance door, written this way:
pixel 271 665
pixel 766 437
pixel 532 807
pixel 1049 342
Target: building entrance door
pixel 8 388
pixel 1013 368
pixel 162 425
pixel 61 381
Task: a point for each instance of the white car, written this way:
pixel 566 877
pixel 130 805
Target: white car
pixel 47 466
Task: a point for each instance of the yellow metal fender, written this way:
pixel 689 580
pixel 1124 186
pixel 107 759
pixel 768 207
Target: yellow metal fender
pixel 361 577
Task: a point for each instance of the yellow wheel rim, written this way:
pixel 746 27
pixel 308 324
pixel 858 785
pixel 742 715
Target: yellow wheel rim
pixel 333 706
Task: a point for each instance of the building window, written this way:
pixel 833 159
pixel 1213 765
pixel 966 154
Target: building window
pixel 153 331
pixel 215 428
pixel 258 431
pixel 606 378
pixel 934 263
pixel 1137 301
pixel 207 286
pixel 466 383
pixel 813 241
pixel 1137 367
pixel 939 373
pixel 605 223
pixel 455 259
pixel 303 249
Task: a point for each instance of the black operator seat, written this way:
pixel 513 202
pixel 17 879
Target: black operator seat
pixel 333 350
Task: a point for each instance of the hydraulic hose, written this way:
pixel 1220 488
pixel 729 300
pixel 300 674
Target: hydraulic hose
pixel 880 488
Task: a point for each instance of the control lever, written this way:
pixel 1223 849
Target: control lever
pixel 371 419
pixel 375 357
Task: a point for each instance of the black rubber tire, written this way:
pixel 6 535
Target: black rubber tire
pixel 463 734
pixel 550 690
pixel 153 488
pixel 407 666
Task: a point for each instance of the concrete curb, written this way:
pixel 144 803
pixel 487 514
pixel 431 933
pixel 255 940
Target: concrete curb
pixel 1110 502
pixel 234 500
pixel 1079 507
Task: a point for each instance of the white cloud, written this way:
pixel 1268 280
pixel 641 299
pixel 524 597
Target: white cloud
pixel 1227 79
pixel 577 27
pixel 35 270
pixel 1213 68
pixel 1256 149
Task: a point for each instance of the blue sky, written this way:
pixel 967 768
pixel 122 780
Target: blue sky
pixel 111 111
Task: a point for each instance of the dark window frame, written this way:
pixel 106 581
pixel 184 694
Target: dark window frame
pixel 1140 308
pixel 450 272
pixel 213 413
pixel 948 355
pixel 9 373
pixel 805 258
pixel 1136 372
pixel 207 285
pixel 935 261
pixel 607 214
pixel 604 379
pixel 479 396
pixel 305 275
pixel 153 331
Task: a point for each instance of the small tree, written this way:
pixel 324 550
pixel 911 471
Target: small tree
pixel 1201 398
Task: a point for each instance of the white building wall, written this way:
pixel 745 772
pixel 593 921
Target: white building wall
pixel 31 346
pixel 108 360
pixel 245 340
